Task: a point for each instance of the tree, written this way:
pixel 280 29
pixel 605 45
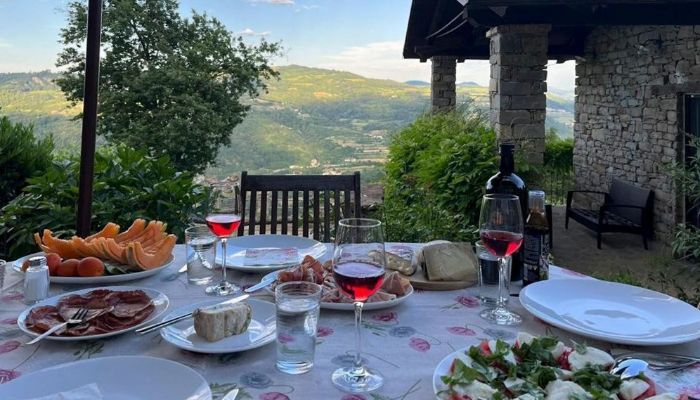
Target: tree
pixel 175 86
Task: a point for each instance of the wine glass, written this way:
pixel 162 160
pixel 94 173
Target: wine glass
pixel 358 270
pixel 223 220
pixel 501 232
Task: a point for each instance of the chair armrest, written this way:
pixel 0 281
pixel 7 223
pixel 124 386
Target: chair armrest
pixel 570 196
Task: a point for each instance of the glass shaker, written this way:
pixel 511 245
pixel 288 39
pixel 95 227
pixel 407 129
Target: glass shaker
pixel 36 280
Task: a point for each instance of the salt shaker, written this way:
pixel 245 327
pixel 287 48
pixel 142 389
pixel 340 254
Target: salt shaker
pixel 36 280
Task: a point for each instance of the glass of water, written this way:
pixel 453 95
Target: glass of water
pixel 297 318
pixel 488 276
pixel 201 253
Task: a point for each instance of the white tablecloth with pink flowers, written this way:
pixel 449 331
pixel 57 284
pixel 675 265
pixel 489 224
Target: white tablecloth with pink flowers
pixel 405 343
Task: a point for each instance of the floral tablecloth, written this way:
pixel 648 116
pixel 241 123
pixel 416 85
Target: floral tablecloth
pixel 405 343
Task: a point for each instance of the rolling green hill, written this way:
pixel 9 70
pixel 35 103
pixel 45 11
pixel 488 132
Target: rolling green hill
pixel 311 120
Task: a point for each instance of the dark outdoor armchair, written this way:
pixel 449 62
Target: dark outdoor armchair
pixel 626 208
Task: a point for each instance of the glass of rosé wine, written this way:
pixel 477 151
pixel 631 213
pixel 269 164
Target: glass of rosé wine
pixel 501 232
pixel 223 219
pixel 358 270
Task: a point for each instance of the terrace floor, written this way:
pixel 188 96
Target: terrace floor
pixel 622 257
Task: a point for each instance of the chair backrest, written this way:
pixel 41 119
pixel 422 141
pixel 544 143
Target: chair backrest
pixel 627 194
pixel 327 196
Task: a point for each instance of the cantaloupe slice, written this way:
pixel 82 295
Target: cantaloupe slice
pixel 109 231
pixel 82 247
pixel 116 251
pixel 151 229
pixel 64 248
pixel 41 245
pixel 135 229
pixel 145 260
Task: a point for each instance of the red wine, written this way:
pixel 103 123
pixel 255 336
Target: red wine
pixel 507 182
pixel 358 280
pixel 223 225
pixel 501 243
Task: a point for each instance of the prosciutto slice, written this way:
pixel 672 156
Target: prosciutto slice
pixel 108 311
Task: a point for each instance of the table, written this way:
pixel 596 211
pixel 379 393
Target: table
pixel 405 343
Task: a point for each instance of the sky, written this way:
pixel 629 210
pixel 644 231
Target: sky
pixel 361 36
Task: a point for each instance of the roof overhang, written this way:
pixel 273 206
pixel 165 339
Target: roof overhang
pixel 458 27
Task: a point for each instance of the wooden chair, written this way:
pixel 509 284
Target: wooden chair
pixel 312 191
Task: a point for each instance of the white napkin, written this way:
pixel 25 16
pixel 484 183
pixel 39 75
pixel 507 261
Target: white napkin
pixel 87 392
pixel 271 256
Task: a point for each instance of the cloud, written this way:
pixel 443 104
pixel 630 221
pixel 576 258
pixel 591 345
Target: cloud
pixel 274 2
pixel 250 32
pixel 306 7
pixel 384 60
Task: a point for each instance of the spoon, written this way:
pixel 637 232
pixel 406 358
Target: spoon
pixel 627 368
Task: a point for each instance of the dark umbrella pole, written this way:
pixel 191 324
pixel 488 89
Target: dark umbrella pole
pixel 89 133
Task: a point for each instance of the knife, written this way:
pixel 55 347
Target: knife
pixel 153 327
pixel 267 280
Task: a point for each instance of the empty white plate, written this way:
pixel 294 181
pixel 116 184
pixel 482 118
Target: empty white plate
pixel 236 249
pixel 261 330
pixel 612 312
pixel 132 378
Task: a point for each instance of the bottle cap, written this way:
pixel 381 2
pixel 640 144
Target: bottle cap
pixel 536 199
pixel 37 261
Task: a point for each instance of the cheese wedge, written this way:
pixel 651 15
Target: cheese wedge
pixel 216 323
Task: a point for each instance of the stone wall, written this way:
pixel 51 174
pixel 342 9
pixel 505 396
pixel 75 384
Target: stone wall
pixel 628 110
pixel 443 90
pixel 517 86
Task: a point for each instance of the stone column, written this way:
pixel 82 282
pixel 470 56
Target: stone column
pixel 443 93
pixel 518 85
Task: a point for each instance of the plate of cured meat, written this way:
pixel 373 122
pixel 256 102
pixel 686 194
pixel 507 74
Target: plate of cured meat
pixel 394 291
pixel 112 310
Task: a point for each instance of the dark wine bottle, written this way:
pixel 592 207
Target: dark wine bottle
pixel 536 241
pixel 507 182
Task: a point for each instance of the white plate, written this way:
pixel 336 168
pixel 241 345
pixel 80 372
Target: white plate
pixel 261 330
pixel 133 378
pixel 376 305
pixel 612 312
pixel 160 300
pixel 131 276
pixel 237 246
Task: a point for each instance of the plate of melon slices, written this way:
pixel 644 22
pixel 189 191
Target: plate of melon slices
pixel 143 250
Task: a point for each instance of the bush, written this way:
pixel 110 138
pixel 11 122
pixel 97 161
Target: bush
pixel 555 177
pixel 21 156
pixel 436 173
pixel 128 184
pixel 686 241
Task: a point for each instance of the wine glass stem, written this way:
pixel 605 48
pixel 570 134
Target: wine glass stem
pixel 223 261
pixel 358 334
pixel 502 269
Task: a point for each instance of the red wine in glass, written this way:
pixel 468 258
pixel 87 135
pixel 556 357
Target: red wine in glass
pixel 501 243
pixel 223 225
pixel 359 280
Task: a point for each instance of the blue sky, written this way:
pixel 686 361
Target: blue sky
pixel 361 36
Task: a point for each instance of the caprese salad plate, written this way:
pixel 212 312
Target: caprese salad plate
pixel 537 368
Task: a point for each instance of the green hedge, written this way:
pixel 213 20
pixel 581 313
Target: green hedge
pixel 435 177
pixel 21 156
pixel 128 184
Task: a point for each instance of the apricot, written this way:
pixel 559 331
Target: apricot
pixel 53 261
pixel 68 268
pixel 91 266
pixel 25 265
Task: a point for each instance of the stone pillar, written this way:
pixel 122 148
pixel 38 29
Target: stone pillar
pixel 518 85
pixel 443 90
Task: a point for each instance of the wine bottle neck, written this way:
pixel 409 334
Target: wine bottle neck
pixel 507 163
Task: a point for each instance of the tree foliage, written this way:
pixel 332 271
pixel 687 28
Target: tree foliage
pixel 21 156
pixel 172 85
pixel 129 184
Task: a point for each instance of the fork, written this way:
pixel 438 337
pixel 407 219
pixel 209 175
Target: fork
pixel 76 319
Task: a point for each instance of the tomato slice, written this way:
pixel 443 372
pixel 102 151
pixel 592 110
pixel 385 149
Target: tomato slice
pixel 650 392
pixel 484 346
pixel 563 360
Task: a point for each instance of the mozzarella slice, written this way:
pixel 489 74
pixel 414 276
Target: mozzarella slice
pixel 564 390
pixel 526 396
pixel 563 374
pixel 513 384
pixel 463 357
pixel 665 396
pixel 476 391
pixel 509 356
pixel 633 388
pixel 592 356
pixel 524 338
pixel 559 349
